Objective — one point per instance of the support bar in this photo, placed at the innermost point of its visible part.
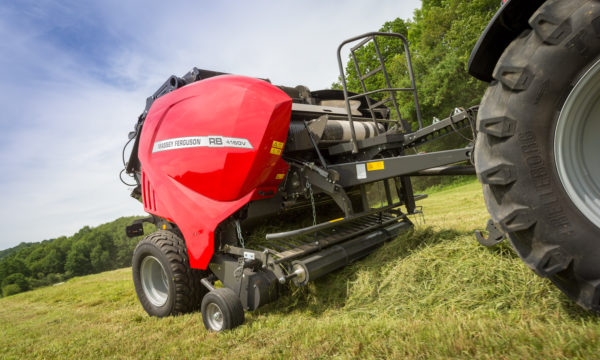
(363, 172)
(447, 170)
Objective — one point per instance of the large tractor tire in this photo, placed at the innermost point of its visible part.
(538, 149)
(164, 282)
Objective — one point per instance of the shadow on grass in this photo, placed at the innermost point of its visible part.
(503, 250)
(570, 307)
(331, 291)
(576, 312)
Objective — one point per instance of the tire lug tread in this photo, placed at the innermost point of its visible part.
(518, 220)
(514, 77)
(500, 127)
(503, 174)
(553, 260)
(549, 29)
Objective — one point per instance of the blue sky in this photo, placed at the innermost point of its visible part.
(74, 76)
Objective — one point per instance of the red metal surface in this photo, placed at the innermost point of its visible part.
(198, 187)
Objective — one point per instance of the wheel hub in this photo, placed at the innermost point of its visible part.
(215, 316)
(154, 281)
(577, 144)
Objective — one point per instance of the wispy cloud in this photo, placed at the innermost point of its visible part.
(75, 76)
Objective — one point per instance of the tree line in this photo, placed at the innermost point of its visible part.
(91, 250)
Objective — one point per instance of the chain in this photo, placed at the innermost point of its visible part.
(238, 273)
(239, 233)
(312, 202)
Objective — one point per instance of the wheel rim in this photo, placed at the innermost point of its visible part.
(154, 281)
(214, 316)
(576, 144)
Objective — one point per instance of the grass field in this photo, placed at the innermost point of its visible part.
(432, 293)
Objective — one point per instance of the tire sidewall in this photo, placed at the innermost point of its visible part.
(584, 222)
(557, 70)
(143, 250)
(536, 140)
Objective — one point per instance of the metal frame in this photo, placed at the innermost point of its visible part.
(366, 38)
(397, 166)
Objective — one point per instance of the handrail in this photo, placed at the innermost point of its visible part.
(365, 38)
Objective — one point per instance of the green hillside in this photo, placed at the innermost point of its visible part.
(89, 251)
(432, 293)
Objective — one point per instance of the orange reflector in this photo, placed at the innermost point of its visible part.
(377, 165)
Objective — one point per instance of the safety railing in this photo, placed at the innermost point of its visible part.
(391, 92)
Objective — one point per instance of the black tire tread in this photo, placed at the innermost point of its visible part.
(557, 26)
(189, 291)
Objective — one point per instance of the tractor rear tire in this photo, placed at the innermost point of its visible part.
(164, 282)
(538, 147)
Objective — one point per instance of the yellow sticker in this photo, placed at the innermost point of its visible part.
(279, 176)
(275, 151)
(277, 145)
(377, 165)
(334, 220)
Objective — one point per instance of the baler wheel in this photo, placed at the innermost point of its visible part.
(164, 282)
(222, 310)
(538, 146)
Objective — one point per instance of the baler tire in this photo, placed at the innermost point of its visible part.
(222, 310)
(515, 153)
(182, 291)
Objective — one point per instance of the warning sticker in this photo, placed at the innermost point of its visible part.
(277, 145)
(201, 141)
(276, 148)
(361, 171)
(376, 165)
(279, 176)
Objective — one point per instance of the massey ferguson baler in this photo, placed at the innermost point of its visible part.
(215, 154)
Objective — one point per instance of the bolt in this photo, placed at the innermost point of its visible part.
(218, 316)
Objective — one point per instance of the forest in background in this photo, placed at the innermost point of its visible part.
(442, 34)
(89, 251)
